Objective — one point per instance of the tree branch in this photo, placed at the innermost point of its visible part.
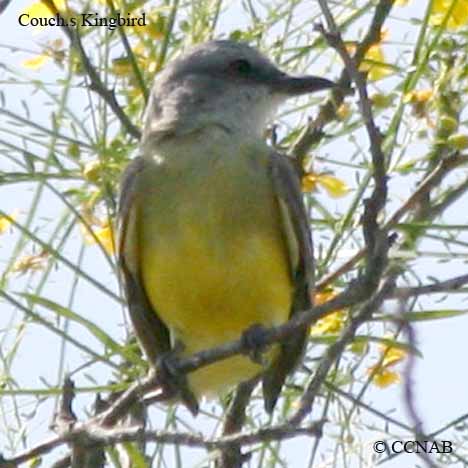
(96, 436)
(96, 84)
(432, 181)
(449, 285)
(234, 420)
(336, 349)
(313, 133)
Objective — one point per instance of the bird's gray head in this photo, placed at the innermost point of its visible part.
(221, 83)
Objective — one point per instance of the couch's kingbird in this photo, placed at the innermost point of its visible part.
(213, 233)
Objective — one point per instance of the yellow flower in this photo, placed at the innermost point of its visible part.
(154, 28)
(54, 49)
(382, 374)
(38, 10)
(106, 238)
(122, 66)
(335, 187)
(383, 378)
(344, 111)
(457, 18)
(30, 263)
(421, 95)
(374, 64)
(374, 61)
(41, 9)
(401, 2)
(419, 100)
(34, 63)
(324, 296)
(331, 323)
(309, 182)
(5, 222)
(392, 355)
(104, 235)
(92, 170)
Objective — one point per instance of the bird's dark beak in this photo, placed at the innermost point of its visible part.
(297, 85)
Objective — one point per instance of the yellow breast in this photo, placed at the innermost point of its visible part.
(214, 261)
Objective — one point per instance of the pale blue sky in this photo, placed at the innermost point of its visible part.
(441, 383)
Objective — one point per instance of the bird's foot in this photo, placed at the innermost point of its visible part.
(253, 339)
(173, 382)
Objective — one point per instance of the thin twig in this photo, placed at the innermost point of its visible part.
(96, 84)
(3, 5)
(390, 420)
(449, 285)
(336, 349)
(409, 387)
(313, 133)
(92, 436)
(169, 28)
(430, 182)
(234, 421)
(130, 55)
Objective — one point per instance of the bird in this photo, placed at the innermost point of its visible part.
(213, 234)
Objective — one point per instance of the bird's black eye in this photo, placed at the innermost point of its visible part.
(241, 66)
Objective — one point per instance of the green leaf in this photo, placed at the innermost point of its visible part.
(92, 328)
(136, 457)
(421, 315)
(330, 339)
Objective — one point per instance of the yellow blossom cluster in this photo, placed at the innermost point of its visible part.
(331, 323)
(335, 187)
(154, 29)
(103, 233)
(383, 374)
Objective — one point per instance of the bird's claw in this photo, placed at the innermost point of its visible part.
(174, 382)
(253, 340)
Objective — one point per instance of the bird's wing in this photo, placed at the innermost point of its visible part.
(149, 328)
(287, 187)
